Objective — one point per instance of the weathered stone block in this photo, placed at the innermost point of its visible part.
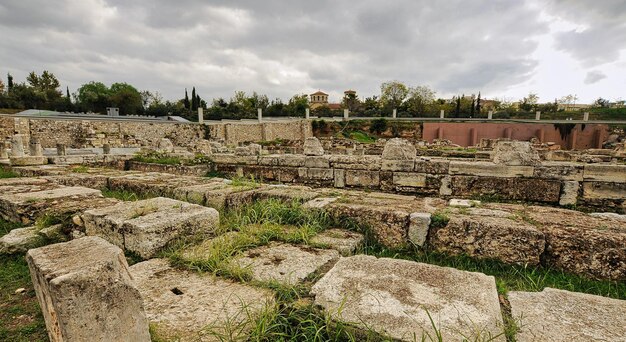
(320, 174)
(313, 147)
(182, 304)
(563, 171)
(286, 193)
(397, 165)
(514, 152)
(145, 227)
(526, 189)
(292, 160)
(398, 298)
(432, 166)
(288, 264)
(488, 169)
(409, 179)
(28, 160)
(604, 190)
(605, 173)
(340, 161)
(491, 238)
(399, 149)
(340, 178)
(419, 224)
(86, 292)
(569, 193)
(563, 316)
(344, 241)
(317, 162)
(362, 178)
(19, 240)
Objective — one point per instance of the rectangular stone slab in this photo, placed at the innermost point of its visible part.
(563, 316)
(395, 298)
(183, 304)
(86, 292)
(145, 227)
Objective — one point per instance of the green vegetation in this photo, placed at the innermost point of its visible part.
(126, 195)
(154, 157)
(20, 316)
(80, 169)
(362, 137)
(7, 173)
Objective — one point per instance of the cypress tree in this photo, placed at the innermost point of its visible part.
(478, 106)
(67, 92)
(457, 112)
(472, 109)
(186, 100)
(9, 83)
(194, 105)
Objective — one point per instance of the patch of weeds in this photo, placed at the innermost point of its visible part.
(275, 142)
(6, 226)
(362, 137)
(80, 169)
(245, 183)
(20, 315)
(126, 195)
(439, 219)
(523, 214)
(50, 219)
(8, 173)
(132, 257)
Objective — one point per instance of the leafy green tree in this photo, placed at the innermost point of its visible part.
(298, 104)
(393, 93)
(602, 103)
(93, 97)
(127, 98)
(351, 101)
(529, 103)
(420, 100)
(2, 87)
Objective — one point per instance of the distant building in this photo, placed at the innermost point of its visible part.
(320, 99)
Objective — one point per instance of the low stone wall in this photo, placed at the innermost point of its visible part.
(91, 133)
(601, 186)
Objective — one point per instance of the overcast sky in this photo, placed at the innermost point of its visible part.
(280, 48)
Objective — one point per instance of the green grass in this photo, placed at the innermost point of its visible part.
(125, 195)
(362, 137)
(80, 169)
(7, 173)
(20, 316)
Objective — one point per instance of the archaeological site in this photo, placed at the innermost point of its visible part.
(292, 230)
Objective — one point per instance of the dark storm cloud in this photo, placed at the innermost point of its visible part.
(275, 47)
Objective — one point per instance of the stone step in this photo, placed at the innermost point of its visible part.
(184, 305)
(563, 316)
(407, 301)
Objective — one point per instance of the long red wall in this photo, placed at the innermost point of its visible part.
(579, 136)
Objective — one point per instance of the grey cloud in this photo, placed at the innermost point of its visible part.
(274, 47)
(594, 76)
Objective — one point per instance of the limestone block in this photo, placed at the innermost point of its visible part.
(182, 304)
(362, 178)
(344, 241)
(419, 224)
(341, 161)
(609, 215)
(556, 170)
(563, 316)
(569, 193)
(409, 179)
(513, 152)
(17, 146)
(145, 227)
(286, 193)
(28, 160)
(340, 178)
(491, 238)
(604, 190)
(320, 174)
(26, 207)
(526, 189)
(270, 160)
(317, 162)
(432, 165)
(291, 160)
(488, 169)
(285, 263)
(86, 292)
(398, 298)
(445, 188)
(464, 203)
(165, 145)
(605, 173)
(319, 203)
(399, 149)
(313, 147)
(397, 165)
(19, 240)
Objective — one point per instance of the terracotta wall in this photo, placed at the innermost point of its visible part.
(569, 136)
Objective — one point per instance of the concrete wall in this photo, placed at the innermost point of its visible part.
(569, 136)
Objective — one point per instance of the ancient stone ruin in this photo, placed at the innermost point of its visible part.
(139, 236)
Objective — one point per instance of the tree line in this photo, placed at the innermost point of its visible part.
(42, 91)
